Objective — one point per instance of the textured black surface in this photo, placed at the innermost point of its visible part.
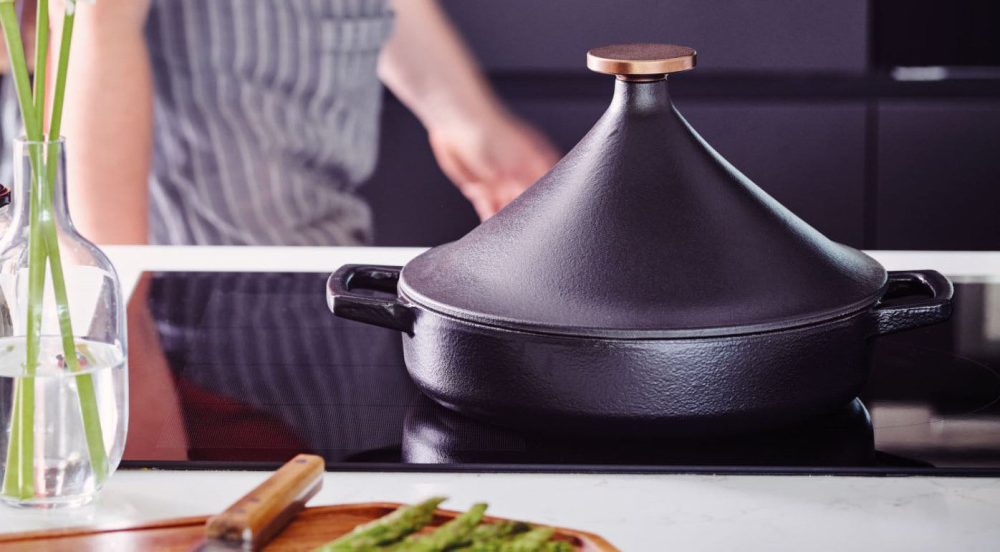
(892, 316)
(607, 387)
(643, 227)
(588, 385)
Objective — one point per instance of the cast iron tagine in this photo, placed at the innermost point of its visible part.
(642, 285)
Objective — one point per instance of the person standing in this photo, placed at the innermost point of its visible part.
(252, 122)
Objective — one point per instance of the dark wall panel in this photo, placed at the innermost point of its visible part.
(809, 156)
(938, 174)
(772, 35)
(413, 202)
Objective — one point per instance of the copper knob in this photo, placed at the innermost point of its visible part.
(641, 61)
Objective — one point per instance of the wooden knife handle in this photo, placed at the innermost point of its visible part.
(260, 515)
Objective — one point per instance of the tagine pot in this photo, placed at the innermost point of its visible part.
(643, 285)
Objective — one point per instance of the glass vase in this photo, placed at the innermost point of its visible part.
(63, 359)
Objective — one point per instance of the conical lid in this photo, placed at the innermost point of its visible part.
(643, 230)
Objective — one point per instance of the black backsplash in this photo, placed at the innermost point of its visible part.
(922, 33)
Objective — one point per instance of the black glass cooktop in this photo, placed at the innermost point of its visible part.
(244, 370)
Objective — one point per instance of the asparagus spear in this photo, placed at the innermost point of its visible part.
(558, 546)
(512, 537)
(386, 529)
(498, 530)
(488, 537)
(448, 535)
(532, 541)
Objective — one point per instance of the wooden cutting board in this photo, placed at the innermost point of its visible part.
(309, 529)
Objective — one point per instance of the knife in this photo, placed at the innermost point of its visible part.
(262, 513)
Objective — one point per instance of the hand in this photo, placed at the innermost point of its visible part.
(493, 159)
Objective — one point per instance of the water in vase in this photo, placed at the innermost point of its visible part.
(66, 467)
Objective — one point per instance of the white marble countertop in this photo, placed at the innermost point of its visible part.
(685, 512)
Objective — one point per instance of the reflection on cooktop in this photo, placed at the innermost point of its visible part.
(247, 369)
(435, 435)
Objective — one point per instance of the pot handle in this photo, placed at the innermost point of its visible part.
(919, 310)
(379, 311)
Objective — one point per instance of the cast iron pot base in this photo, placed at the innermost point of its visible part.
(586, 385)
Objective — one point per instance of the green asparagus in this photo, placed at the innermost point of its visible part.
(489, 537)
(387, 529)
(498, 530)
(448, 535)
(481, 546)
(558, 546)
(514, 537)
(532, 541)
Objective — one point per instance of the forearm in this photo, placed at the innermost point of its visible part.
(490, 154)
(108, 121)
(427, 66)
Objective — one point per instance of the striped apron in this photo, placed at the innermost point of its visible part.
(266, 120)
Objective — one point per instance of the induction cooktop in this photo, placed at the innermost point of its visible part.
(245, 370)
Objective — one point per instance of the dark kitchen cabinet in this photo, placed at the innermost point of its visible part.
(938, 184)
(768, 35)
(808, 155)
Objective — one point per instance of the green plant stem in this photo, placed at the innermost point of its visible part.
(62, 69)
(36, 287)
(41, 57)
(84, 383)
(19, 70)
(43, 244)
(22, 450)
(12, 477)
(38, 85)
(26, 477)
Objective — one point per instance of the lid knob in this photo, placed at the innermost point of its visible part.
(641, 62)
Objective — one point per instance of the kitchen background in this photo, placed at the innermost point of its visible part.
(876, 121)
